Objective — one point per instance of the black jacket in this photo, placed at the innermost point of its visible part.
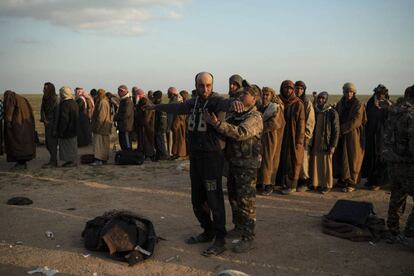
(68, 119)
(330, 133)
(125, 115)
(203, 139)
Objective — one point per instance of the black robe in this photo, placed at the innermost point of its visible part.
(373, 168)
(84, 125)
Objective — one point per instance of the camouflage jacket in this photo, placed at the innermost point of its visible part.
(243, 132)
(399, 134)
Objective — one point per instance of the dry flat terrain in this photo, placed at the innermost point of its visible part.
(289, 240)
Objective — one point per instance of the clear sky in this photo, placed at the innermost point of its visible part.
(162, 43)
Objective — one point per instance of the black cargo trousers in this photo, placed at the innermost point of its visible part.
(207, 192)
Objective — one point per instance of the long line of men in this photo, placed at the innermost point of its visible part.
(269, 140)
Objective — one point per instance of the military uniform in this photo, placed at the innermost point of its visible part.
(399, 153)
(243, 152)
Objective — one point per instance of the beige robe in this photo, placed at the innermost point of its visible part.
(309, 127)
(320, 162)
(350, 150)
(101, 128)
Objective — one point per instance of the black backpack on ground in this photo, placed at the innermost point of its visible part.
(125, 235)
(129, 157)
(87, 158)
(354, 220)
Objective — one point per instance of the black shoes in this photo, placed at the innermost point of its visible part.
(215, 249)
(268, 190)
(49, 165)
(202, 238)
(325, 190)
(69, 164)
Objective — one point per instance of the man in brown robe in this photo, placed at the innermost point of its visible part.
(178, 129)
(300, 91)
(273, 124)
(350, 151)
(19, 129)
(172, 94)
(101, 128)
(144, 121)
(293, 139)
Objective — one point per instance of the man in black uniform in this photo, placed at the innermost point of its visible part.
(206, 160)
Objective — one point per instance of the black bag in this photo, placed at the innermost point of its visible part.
(126, 236)
(353, 212)
(125, 157)
(355, 221)
(87, 158)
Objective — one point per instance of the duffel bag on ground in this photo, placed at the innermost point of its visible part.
(129, 157)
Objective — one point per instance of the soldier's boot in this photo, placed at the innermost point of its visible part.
(242, 246)
(234, 233)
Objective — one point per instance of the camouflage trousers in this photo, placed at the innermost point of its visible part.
(241, 186)
(402, 186)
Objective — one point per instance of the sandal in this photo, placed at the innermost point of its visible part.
(214, 250)
(202, 238)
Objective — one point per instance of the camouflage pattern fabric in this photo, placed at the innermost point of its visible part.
(402, 186)
(242, 197)
(399, 153)
(243, 151)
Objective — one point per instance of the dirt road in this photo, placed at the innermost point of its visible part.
(289, 240)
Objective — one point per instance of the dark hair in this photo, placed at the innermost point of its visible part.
(49, 95)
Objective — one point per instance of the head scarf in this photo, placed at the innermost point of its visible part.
(123, 91)
(65, 93)
(271, 91)
(325, 106)
(301, 84)
(349, 86)
(381, 89)
(80, 93)
(101, 94)
(292, 98)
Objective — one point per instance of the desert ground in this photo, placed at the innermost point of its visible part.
(289, 240)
